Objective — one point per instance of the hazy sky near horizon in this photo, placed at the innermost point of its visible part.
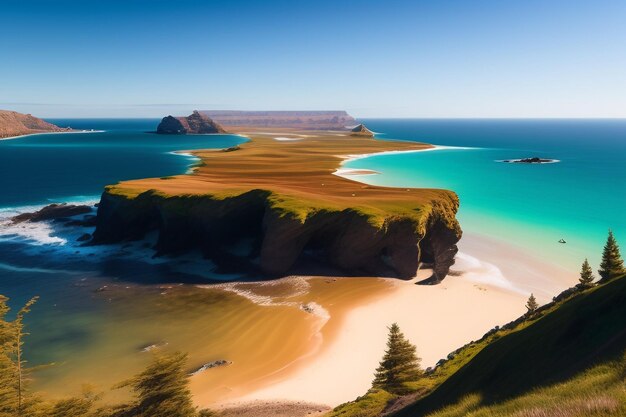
(393, 58)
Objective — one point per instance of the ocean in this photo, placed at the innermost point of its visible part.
(532, 206)
(96, 312)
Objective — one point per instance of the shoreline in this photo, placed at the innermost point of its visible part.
(51, 133)
(354, 338)
(431, 147)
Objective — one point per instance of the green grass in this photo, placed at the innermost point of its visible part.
(569, 356)
(369, 405)
(599, 391)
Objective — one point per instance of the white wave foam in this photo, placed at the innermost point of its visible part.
(284, 139)
(354, 157)
(483, 272)
(36, 233)
(298, 286)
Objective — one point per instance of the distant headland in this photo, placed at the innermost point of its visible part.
(18, 124)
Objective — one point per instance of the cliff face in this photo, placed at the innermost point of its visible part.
(346, 240)
(195, 123)
(16, 124)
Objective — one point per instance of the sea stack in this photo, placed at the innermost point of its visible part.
(196, 123)
(361, 130)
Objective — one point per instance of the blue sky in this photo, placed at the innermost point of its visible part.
(393, 58)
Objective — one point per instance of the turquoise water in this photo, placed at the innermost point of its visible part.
(577, 199)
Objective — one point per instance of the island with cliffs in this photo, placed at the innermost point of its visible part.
(283, 199)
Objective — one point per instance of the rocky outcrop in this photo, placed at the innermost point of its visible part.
(52, 212)
(361, 130)
(16, 124)
(347, 240)
(195, 123)
(533, 160)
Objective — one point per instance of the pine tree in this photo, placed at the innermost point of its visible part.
(8, 393)
(18, 325)
(400, 363)
(612, 264)
(162, 389)
(586, 275)
(531, 305)
(13, 373)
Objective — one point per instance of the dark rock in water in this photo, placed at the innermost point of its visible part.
(153, 346)
(214, 364)
(361, 130)
(88, 220)
(195, 123)
(85, 237)
(52, 212)
(533, 160)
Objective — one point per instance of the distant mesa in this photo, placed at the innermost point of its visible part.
(302, 120)
(196, 123)
(361, 130)
(17, 124)
(533, 160)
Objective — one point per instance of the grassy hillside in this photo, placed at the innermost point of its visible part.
(569, 358)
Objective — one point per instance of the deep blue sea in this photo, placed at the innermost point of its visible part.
(41, 169)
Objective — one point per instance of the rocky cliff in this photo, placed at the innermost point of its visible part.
(195, 123)
(275, 208)
(361, 130)
(348, 240)
(16, 124)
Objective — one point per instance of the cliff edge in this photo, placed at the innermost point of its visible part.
(277, 209)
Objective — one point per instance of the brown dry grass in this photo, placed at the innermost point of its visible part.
(299, 173)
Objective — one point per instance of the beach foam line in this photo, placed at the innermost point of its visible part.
(52, 133)
(478, 271)
(355, 171)
(298, 286)
(349, 158)
(286, 139)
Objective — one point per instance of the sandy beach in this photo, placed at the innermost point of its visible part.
(437, 319)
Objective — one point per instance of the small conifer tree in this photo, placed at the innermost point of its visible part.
(531, 305)
(612, 264)
(586, 275)
(400, 363)
(162, 389)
